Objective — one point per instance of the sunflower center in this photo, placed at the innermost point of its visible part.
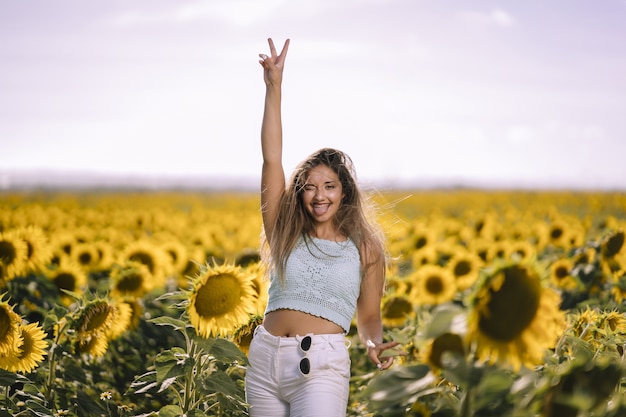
(420, 242)
(462, 268)
(7, 252)
(398, 307)
(220, 295)
(556, 233)
(85, 258)
(613, 245)
(130, 283)
(561, 272)
(447, 342)
(95, 317)
(143, 258)
(434, 285)
(513, 306)
(66, 281)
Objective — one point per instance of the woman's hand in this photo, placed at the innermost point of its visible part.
(273, 65)
(375, 353)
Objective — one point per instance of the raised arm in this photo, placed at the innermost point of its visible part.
(272, 174)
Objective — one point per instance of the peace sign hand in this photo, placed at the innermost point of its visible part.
(273, 65)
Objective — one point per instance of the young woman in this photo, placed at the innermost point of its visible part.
(326, 261)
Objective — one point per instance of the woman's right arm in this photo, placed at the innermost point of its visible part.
(272, 174)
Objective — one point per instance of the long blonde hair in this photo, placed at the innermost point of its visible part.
(351, 220)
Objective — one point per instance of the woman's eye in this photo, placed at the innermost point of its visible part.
(309, 187)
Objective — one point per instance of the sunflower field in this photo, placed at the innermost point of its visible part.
(506, 303)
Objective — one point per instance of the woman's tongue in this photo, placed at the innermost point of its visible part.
(320, 209)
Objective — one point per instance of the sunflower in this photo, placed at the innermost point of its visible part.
(432, 284)
(30, 353)
(68, 276)
(499, 251)
(465, 267)
(584, 325)
(242, 336)
(426, 255)
(177, 256)
(601, 329)
(443, 344)
(149, 254)
(196, 258)
(521, 250)
(421, 236)
(513, 318)
(561, 274)
(132, 279)
(481, 247)
(86, 255)
(618, 290)
(122, 316)
(13, 255)
(63, 243)
(39, 251)
(94, 346)
(584, 256)
(221, 299)
(614, 321)
(94, 320)
(105, 255)
(396, 310)
(612, 244)
(10, 339)
(136, 312)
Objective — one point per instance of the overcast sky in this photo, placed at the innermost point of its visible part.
(468, 92)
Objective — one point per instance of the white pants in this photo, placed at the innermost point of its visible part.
(275, 386)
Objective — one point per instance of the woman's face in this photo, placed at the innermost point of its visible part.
(322, 194)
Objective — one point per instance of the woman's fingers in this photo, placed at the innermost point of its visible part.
(272, 48)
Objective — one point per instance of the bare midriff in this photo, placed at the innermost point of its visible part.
(289, 323)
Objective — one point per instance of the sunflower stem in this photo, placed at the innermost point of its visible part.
(465, 410)
(189, 378)
(48, 389)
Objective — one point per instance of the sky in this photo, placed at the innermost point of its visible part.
(418, 92)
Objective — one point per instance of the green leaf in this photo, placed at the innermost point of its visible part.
(38, 409)
(88, 405)
(75, 372)
(445, 319)
(171, 411)
(494, 387)
(169, 321)
(219, 382)
(143, 383)
(7, 378)
(401, 385)
(172, 363)
(224, 350)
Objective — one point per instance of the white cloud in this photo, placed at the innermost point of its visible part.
(495, 17)
(241, 12)
(236, 12)
(502, 18)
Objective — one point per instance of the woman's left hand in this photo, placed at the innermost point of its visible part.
(375, 350)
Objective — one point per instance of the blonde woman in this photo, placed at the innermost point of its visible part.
(326, 261)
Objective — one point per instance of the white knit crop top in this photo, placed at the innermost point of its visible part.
(322, 278)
